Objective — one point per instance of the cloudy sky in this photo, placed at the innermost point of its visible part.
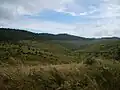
(87, 18)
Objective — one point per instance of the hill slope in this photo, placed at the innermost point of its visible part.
(15, 34)
(45, 48)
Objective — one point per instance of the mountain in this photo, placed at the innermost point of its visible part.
(60, 37)
(65, 40)
(16, 34)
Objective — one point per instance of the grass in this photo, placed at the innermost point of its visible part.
(34, 52)
(61, 77)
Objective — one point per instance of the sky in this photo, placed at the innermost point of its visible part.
(85, 18)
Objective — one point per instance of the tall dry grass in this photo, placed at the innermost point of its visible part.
(61, 77)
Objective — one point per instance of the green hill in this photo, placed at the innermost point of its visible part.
(66, 40)
(20, 46)
(16, 34)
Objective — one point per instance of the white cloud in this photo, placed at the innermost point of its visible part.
(44, 26)
(106, 8)
(86, 30)
(105, 12)
(21, 7)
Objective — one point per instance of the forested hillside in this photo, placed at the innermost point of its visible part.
(16, 34)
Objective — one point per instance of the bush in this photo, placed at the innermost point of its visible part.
(89, 60)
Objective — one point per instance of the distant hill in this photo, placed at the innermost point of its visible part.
(65, 40)
(60, 37)
(12, 34)
(16, 34)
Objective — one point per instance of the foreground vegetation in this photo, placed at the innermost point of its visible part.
(98, 76)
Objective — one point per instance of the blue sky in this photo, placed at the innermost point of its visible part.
(60, 17)
(87, 18)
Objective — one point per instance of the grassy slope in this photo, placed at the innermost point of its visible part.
(51, 51)
(100, 45)
(109, 49)
(34, 52)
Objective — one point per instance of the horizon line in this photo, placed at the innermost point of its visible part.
(28, 30)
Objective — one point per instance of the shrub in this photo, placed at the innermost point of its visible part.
(89, 60)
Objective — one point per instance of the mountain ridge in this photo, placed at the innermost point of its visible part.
(17, 34)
